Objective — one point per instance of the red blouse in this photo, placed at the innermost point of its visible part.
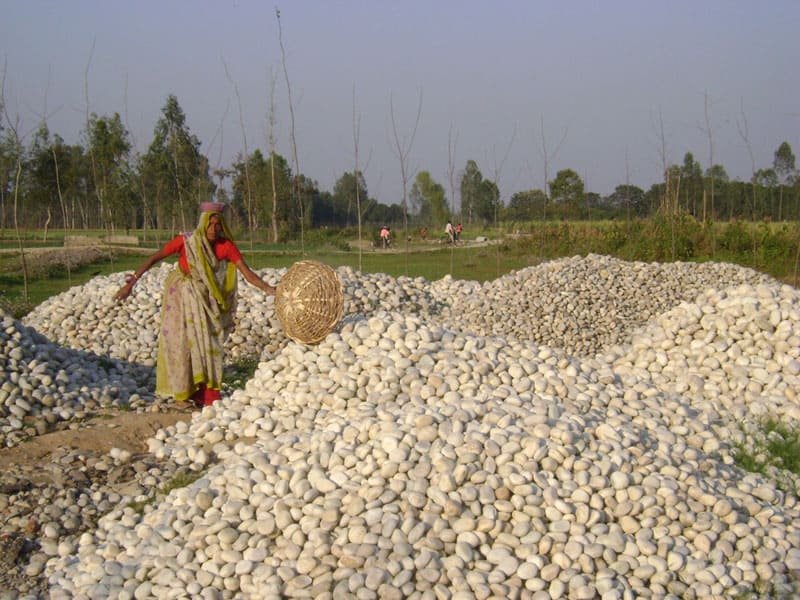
(223, 250)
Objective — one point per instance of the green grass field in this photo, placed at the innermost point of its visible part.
(50, 276)
(771, 248)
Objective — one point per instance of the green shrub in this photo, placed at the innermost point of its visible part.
(773, 450)
(180, 480)
(673, 237)
(16, 307)
(615, 237)
(777, 245)
(238, 373)
(736, 238)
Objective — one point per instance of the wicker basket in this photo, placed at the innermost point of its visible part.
(308, 301)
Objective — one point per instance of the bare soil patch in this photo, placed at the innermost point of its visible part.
(126, 431)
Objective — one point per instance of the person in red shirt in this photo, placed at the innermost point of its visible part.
(385, 239)
(198, 307)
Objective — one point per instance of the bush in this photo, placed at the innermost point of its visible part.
(673, 237)
(626, 240)
(238, 373)
(777, 246)
(16, 307)
(736, 238)
(771, 448)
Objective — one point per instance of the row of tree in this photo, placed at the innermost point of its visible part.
(772, 193)
(105, 184)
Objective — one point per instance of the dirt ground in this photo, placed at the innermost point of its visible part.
(123, 430)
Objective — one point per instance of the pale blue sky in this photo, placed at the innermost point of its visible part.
(597, 74)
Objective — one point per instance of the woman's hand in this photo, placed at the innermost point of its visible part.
(253, 279)
(126, 289)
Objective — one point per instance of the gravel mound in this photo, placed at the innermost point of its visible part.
(567, 430)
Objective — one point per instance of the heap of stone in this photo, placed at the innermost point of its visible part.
(408, 456)
(44, 384)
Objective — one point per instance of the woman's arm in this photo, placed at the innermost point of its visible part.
(253, 279)
(131, 280)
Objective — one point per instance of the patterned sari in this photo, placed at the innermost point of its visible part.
(196, 318)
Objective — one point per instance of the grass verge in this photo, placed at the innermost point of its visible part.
(238, 373)
(179, 480)
(772, 449)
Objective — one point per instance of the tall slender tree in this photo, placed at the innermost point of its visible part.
(109, 149)
(428, 200)
(299, 186)
(784, 166)
(402, 149)
(271, 121)
(470, 189)
(177, 174)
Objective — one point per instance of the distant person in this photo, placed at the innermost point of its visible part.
(199, 303)
(458, 232)
(386, 236)
(448, 229)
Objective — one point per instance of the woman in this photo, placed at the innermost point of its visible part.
(199, 304)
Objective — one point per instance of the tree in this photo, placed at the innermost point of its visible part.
(470, 189)
(592, 200)
(691, 183)
(526, 206)
(345, 191)
(567, 190)
(628, 197)
(108, 148)
(255, 177)
(384, 214)
(176, 172)
(488, 201)
(300, 187)
(9, 154)
(402, 148)
(716, 183)
(768, 180)
(718, 172)
(428, 200)
(784, 166)
(300, 214)
(712, 180)
(784, 163)
(39, 178)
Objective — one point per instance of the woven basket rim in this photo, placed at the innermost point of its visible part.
(309, 301)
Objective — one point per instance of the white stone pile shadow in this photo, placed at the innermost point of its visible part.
(440, 443)
(43, 384)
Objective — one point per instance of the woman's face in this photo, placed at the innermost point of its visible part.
(214, 229)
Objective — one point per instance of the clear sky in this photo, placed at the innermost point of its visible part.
(595, 83)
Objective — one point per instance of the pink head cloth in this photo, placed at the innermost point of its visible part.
(212, 207)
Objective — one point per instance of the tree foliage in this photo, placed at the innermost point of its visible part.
(428, 201)
(344, 197)
(526, 206)
(567, 189)
(470, 189)
(784, 164)
(108, 148)
(175, 170)
(480, 198)
(629, 199)
(255, 178)
(102, 183)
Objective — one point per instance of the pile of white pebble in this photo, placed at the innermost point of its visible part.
(567, 430)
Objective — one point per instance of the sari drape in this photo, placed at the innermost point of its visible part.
(196, 318)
